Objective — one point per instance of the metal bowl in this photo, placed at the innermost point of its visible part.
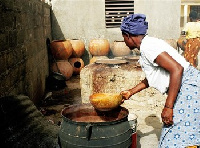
(105, 101)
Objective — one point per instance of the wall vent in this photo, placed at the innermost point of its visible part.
(116, 10)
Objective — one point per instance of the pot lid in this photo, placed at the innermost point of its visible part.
(111, 61)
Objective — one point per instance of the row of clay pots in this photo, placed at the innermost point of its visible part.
(64, 49)
(68, 53)
(68, 67)
(101, 47)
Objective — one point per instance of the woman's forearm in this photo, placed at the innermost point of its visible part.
(176, 71)
(142, 85)
(174, 87)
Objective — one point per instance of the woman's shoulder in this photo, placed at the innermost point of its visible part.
(153, 40)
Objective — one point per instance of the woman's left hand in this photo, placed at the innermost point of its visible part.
(167, 116)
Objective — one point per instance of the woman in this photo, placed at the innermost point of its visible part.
(167, 71)
(192, 32)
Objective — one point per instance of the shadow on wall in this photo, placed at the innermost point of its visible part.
(57, 33)
(153, 121)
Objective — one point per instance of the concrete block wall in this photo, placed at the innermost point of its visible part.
(24, 28)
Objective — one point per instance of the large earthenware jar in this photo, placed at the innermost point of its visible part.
(61, 49)
(65, 68)
(99, 47)
(78, 47)
(119, 49)
(77, 64)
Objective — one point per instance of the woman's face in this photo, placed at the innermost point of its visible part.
(130, 41)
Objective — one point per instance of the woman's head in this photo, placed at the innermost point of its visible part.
(132, 27)
(134, 24)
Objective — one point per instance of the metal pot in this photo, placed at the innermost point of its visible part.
(85, 127)
(56, 81)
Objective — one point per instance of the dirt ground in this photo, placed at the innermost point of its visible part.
(55, 101)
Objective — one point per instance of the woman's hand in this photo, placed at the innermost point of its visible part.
(167, 116)
(125, 95)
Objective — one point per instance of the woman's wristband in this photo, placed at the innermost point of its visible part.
(168, 107)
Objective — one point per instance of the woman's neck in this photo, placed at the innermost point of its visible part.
(140, 38)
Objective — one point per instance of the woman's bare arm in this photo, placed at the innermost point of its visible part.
(176, 71)
(128, 93)
(142, 85)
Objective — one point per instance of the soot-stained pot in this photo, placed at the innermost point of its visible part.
(85, 127)
(55, 81)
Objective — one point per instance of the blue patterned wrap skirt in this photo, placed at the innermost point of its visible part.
(186, 114)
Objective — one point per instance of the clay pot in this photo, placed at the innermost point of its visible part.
(99, 47)
(65, 68)
(77, 64)
(120, 49)
(78, 48)
(94, 58)
(61, 49)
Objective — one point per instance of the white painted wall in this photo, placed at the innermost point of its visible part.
(163, 17)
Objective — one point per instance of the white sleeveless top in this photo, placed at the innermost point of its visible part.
(150, 48)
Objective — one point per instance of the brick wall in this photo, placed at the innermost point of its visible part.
(24, 28)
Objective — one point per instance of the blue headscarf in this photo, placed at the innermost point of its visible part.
(134, 24)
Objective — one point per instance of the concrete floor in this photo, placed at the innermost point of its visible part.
(147, 107)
